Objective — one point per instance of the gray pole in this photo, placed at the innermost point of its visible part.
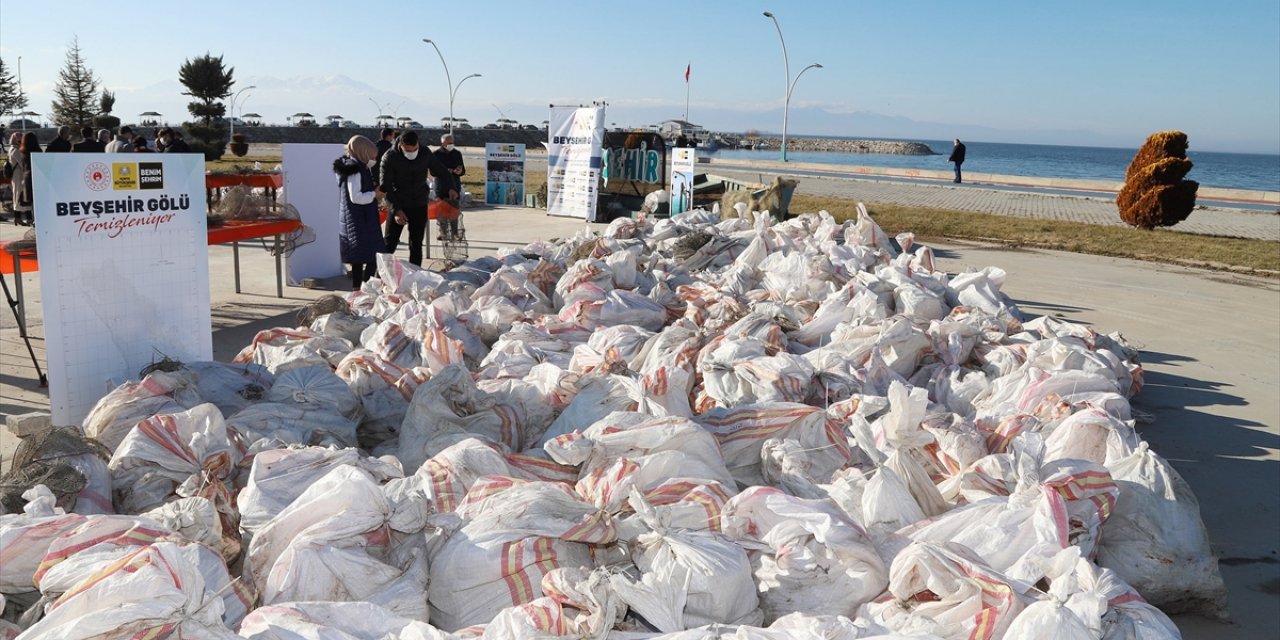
(786, 83)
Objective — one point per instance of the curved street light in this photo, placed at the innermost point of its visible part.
(232, 119)
(453, 90)
(788, 83)
(453, 94)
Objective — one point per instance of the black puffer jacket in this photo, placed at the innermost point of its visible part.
(405, 180)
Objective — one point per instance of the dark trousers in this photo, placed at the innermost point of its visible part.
(957, 172)
(417, 232)
(362, 272)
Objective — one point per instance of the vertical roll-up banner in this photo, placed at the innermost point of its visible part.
(574, 150)
(682, 161)
(122, 240)
(504, 173)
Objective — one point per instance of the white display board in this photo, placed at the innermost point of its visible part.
(124, 269)
(504, 174)
(310, 186)
(682, 162)
(574, 150)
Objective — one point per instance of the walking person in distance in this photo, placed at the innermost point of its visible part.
(957, 156)
(451, 158)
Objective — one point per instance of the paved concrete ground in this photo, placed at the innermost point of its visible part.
(1211, 348)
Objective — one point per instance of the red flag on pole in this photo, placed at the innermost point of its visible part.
(687, 69)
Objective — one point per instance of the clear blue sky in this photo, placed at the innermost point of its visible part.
(1107, 72)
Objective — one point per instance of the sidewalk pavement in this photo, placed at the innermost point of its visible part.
(1031, 203)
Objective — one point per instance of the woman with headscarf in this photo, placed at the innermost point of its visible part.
(359, 234)
(20, 158)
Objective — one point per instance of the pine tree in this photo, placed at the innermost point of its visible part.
(106, 102)
(11, 97)
(207, 80)
(76, 93)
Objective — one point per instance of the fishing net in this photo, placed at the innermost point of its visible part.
(321, 307)
(243, 204)
(39, 459)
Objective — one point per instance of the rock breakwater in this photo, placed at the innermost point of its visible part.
(840, 145)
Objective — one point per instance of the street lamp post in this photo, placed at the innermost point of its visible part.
(453, 91)
(453, 94)
(232, 119)
(788, 84)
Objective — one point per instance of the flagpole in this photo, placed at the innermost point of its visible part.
(686, 90)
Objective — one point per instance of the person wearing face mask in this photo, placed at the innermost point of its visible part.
(451, 158)
(173, 142)
(403, 176)
(359, 236)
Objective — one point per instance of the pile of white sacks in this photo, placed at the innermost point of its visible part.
(801, 430)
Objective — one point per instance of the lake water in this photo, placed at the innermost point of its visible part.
(1257, 172)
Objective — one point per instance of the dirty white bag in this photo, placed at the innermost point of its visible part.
(808, 557)
(157, 589)
(450, 405)
(687, 578)
(315, 387)
(334, 621)
(1156, 541)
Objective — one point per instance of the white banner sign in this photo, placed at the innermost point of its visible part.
(573, 161)
(124, 269)
(310, 185)
(682, 161)
(504, 173)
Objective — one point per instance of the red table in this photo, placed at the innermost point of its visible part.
(269, 181)
(25, 260)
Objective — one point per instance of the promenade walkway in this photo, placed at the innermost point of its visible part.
(1028, 203)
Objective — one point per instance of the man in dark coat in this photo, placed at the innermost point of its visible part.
(451, 158)
(403, 176)
(957, 156)
(173, 142)
(62, 143)
(88, 142)
(385, 143)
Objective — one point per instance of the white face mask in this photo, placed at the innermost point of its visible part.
(372, 163)
(448, 147)
(409, 155)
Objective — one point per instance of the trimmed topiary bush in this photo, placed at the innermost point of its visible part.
(1155, 193)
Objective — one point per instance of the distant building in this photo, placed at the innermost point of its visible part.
(672, 129)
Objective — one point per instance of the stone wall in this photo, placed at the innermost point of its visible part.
(277, 135)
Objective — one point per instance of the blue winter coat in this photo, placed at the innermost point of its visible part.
(360, 233)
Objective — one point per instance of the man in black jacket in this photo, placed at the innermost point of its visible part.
(386, 142)
(88, 142)
(62, 143)
(403, 176)
(451, 158)
(957, 156)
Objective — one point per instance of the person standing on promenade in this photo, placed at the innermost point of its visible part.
(451, 158)
(62, 143)
(385, 144)
(123, 142)
(403, 176)
(957, 156)
(359, 238)
(88, 143)
(23, 211)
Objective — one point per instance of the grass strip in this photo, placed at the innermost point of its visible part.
(1162, 245)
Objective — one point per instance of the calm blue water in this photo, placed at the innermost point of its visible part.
(1212, 169)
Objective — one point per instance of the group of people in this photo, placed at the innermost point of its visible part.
(394, 170)
(22, 144)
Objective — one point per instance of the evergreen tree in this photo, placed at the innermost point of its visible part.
(106, 102)
(75, 94)
(104, 119)
(209, 81)
(11, 97)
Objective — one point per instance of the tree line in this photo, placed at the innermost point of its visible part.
(80, 99)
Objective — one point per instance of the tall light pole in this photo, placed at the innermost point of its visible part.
(453, 94)
(453, 91)
(232, 119)
(788, 83)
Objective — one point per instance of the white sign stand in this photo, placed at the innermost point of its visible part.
(124, 260)
(310, 186)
